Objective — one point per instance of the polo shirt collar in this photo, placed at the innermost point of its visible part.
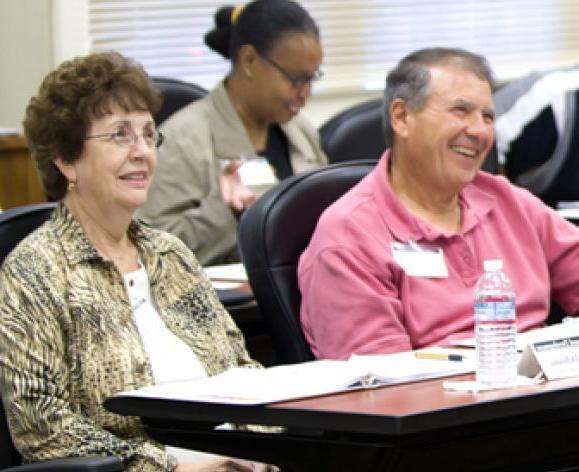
(475, 204)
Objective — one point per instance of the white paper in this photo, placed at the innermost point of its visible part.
(257, 174)
(569, 213)
(257, 386)
(226, 272)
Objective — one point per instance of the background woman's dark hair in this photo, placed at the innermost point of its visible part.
(70, 97)
(261, 23)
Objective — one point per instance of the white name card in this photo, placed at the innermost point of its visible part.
(555, 358)
(418, 260)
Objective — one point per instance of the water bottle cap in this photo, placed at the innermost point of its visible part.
(491, 265)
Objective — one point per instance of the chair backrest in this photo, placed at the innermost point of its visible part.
(15, 225)
(273, 233)
(9, 456)
(355, 133)
(176, 94)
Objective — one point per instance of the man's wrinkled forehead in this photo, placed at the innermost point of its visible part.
(453, 83)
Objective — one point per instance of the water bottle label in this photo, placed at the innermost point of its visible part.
(494, 310)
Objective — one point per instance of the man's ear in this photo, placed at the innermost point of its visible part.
(399, 117)
(247, 58)
(66, 169)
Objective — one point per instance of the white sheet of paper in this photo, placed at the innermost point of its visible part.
(284, 382)
(256, 172)
(420, 261)
(226, 272)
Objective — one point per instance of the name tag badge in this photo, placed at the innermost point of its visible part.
(419, 260)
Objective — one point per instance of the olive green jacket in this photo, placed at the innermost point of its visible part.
(185, 198)
(68, 340)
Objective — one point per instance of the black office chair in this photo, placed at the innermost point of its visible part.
(355, 133)
(15, 224)
(273, 233)
(176, 94)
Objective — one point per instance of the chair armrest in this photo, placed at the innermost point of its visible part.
(72, 464)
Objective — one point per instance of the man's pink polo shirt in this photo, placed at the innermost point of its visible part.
(357, 299)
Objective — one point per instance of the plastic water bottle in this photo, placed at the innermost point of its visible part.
(495, 328)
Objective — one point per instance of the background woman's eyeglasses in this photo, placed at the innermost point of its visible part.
(297, 81)
(126, 137)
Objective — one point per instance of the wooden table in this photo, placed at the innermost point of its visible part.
(411, 427)
(19, 182)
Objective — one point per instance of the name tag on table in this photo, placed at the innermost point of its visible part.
(556, 358)
(419, 260)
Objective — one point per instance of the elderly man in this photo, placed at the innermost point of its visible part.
(393, 263)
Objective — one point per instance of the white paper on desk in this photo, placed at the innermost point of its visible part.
(257, 386)
(569, 213)
(308, 379)
(226, 272)
(405, 367)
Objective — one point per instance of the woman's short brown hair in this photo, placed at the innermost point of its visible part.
(70, 98)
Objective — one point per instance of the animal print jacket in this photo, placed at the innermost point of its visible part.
(68, 340)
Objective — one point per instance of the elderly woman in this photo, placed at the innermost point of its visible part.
(93, 302)
(275, 50)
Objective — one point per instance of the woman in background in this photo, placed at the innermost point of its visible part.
(275, 50)
(93, 302)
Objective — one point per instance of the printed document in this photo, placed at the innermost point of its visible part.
(252, 386)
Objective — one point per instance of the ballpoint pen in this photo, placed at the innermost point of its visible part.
(439, 356)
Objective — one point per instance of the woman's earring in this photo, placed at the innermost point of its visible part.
(71, 185)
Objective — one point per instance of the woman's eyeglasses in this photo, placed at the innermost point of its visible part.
(126, 137)
(297, 81)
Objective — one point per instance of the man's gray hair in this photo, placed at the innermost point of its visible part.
(410, 79)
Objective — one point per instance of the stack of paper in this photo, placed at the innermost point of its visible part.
(257, 386)
(226, 276)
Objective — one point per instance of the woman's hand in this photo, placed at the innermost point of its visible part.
(226, 464)
(233, 191)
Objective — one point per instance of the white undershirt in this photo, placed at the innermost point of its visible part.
(171, 359)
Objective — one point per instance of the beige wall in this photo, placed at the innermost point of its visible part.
(25, 54)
